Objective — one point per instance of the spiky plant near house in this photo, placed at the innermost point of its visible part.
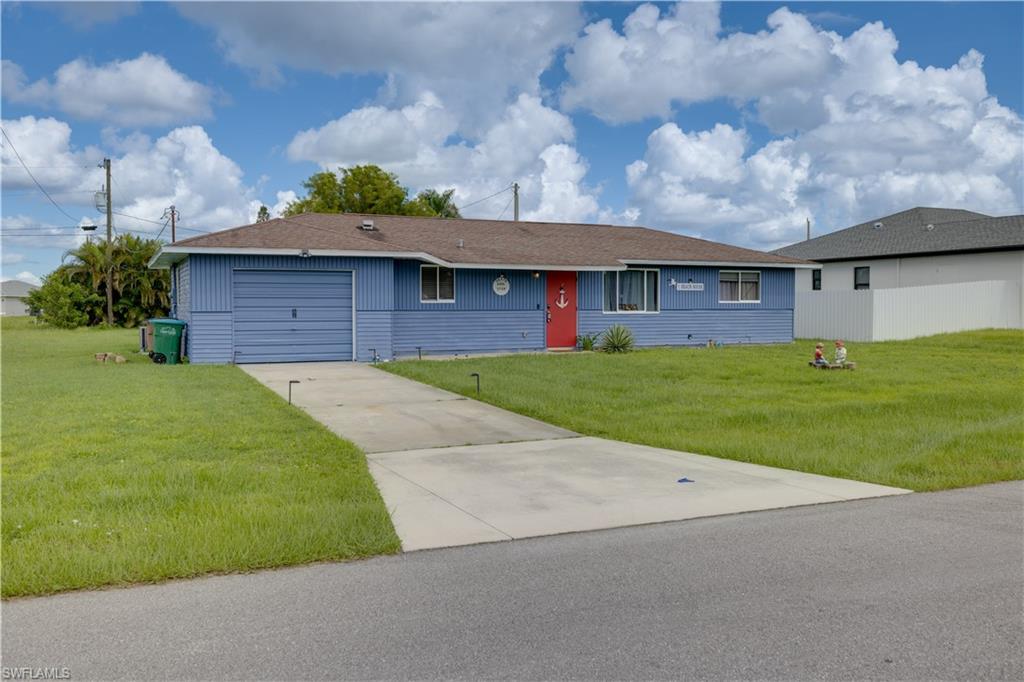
(617, 339)
(587, 341)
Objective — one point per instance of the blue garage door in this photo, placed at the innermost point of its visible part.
(292, 316)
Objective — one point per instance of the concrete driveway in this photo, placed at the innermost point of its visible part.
(455, 471)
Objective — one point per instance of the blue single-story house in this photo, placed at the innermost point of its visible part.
(356, 287)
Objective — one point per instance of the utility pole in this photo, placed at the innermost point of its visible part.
(110, 244)
(808, 229)
(174, 215)
(515, 201)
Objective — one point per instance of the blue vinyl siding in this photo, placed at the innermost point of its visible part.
(182, 304)
(391, 319)
(693, 317)
(183, 291)
(777, 289)
(696, 327)
(211, 277)
(373, 334)
(472, 290)
(467, 331)
(212, 285)
(209, 338)
(479, 320)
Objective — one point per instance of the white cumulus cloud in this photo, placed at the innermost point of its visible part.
(474, 56)
(528, 144)
(182, 168)
(871, 136)
(680, 57)
(145, 91)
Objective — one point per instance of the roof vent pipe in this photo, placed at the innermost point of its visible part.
(879, 226)
(929, 227)
(461, 243)
(367, 225)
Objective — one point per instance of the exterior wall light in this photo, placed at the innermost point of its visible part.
(304, 253)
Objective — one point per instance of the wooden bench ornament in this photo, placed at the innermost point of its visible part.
(847, 365)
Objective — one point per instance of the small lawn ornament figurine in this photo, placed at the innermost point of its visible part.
(819, 355)
(840, 352)
(821, 362)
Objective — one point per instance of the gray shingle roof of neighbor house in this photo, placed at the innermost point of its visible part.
(469, 243)
(916, 231)
(16, 288)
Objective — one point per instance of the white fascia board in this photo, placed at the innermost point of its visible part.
(720, 264)
(170, 254)
(535, 266)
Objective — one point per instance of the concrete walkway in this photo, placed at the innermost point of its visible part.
(455, 471)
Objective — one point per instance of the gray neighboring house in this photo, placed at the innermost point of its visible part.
(917, 247)
(13, 293)
(915, 273)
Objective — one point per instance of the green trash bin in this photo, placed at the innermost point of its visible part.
(167, 334)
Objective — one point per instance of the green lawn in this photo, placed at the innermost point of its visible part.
(928, 414)
(139, 472)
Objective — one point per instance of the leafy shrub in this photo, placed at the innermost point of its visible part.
(138, 291)
(617, 339)
(63, 303)
(587, 341)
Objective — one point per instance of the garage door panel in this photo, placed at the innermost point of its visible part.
(246, 294)
(287, 338)
(302, 315)
(337, 307)
(338, 326)
(292, 316)
(283, 346)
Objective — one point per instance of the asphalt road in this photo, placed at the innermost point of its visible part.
(909, 587)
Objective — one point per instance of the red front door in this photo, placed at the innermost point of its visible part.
(561, 306)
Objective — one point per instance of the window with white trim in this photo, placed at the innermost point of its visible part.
(631, 291)
(739, 286)
(437, 284)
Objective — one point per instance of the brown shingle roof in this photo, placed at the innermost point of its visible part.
(483, 242)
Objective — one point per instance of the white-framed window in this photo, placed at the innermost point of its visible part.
(632, 291)
(739, 286)
(437, 284)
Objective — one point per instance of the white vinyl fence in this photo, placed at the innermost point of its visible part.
(908, 312)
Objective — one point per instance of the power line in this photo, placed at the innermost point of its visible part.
(500, 215)
(162, 229)
(474, 203)
(11, 165)
(135, 217)
(32, 191)
(22, 161)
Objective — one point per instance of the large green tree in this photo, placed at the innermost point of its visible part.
(368, 189)
(75, 293)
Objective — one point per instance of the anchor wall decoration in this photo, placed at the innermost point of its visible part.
(562, 301)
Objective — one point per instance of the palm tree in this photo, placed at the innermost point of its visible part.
(441, 204)
(139, 292)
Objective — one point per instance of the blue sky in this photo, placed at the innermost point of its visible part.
(733, 122)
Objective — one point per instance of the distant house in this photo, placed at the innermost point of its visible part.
(955, 270)
(914, 248)
(358, 287)
(14, 294)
